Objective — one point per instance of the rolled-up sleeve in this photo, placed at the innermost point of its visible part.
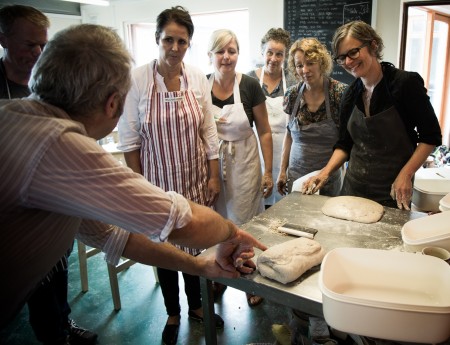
(90, 184)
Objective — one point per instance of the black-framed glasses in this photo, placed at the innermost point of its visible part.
(352, 54)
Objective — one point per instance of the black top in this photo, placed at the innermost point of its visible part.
(251, 96)
(406, 91)
(15, 90)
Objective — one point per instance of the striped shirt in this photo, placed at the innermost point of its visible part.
(57, 183)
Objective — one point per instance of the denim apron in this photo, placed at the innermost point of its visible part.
(312, 146)
(381, 148)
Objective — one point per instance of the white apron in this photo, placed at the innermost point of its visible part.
(277, 122)
(240, 197)
(172, 153)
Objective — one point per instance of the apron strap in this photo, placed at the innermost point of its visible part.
(327, 98)
(236, 93)
(283, 77)
(183, 75)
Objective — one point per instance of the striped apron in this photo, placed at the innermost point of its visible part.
(172, 153)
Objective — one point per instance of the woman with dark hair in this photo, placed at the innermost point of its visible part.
(274, 81)
(388, 125)
(168, 134)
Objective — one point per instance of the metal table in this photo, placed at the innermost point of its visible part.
(304, 294)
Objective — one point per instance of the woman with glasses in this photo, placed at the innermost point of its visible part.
(168, 134)
(274, 81)
(388, 125)
(313, 120)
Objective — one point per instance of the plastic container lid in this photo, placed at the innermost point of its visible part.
(433, 180)
(439, 187)
(427, 229)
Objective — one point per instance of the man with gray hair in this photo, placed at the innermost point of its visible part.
(57, 183)
(23, 35)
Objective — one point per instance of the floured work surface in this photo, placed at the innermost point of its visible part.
(305, 210)
(332, 233)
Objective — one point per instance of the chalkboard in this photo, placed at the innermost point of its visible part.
(321, 18)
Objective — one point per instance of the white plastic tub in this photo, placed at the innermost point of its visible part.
(386, 294)
(444, 203)
(430, 185)
(429, 231)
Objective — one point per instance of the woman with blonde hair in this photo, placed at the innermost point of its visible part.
(313, 120)
(238, 105)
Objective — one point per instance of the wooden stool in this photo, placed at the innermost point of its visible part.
(113, 271)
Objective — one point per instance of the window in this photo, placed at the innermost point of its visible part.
(141, 39)
(427, 53)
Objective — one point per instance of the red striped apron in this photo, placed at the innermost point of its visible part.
(172, 153)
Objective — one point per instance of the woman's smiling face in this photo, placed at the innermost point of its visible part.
(360, 66)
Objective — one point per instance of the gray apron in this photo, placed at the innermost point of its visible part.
(312, 146)
(381, 148)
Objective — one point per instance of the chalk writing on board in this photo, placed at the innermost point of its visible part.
(321, 18)
(356, 12)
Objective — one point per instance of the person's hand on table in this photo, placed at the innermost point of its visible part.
(401, 191)
(235, 253)
(267, 185)
(314, 183)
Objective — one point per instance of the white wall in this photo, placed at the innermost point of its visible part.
(386, 20)
(263, 14)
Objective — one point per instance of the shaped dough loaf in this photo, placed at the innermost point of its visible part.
(353, 208)
(287, 261)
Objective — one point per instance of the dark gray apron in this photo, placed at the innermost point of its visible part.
(312, 146)
(381, 149)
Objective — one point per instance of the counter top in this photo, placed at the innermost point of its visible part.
(305, 210)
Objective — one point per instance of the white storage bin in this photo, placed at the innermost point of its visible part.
(430, 185)
(386, 294)
(444, 203)
(429, 231)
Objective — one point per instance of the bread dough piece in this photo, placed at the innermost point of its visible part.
(353, 208)
(287, 261)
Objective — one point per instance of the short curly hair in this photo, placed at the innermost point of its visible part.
(314, 51)
(277, 35)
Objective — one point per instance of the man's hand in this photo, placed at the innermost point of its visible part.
(236, 252)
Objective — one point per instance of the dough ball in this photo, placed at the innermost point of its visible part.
(353, 208)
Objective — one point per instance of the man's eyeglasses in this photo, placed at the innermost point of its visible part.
(352, 54)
